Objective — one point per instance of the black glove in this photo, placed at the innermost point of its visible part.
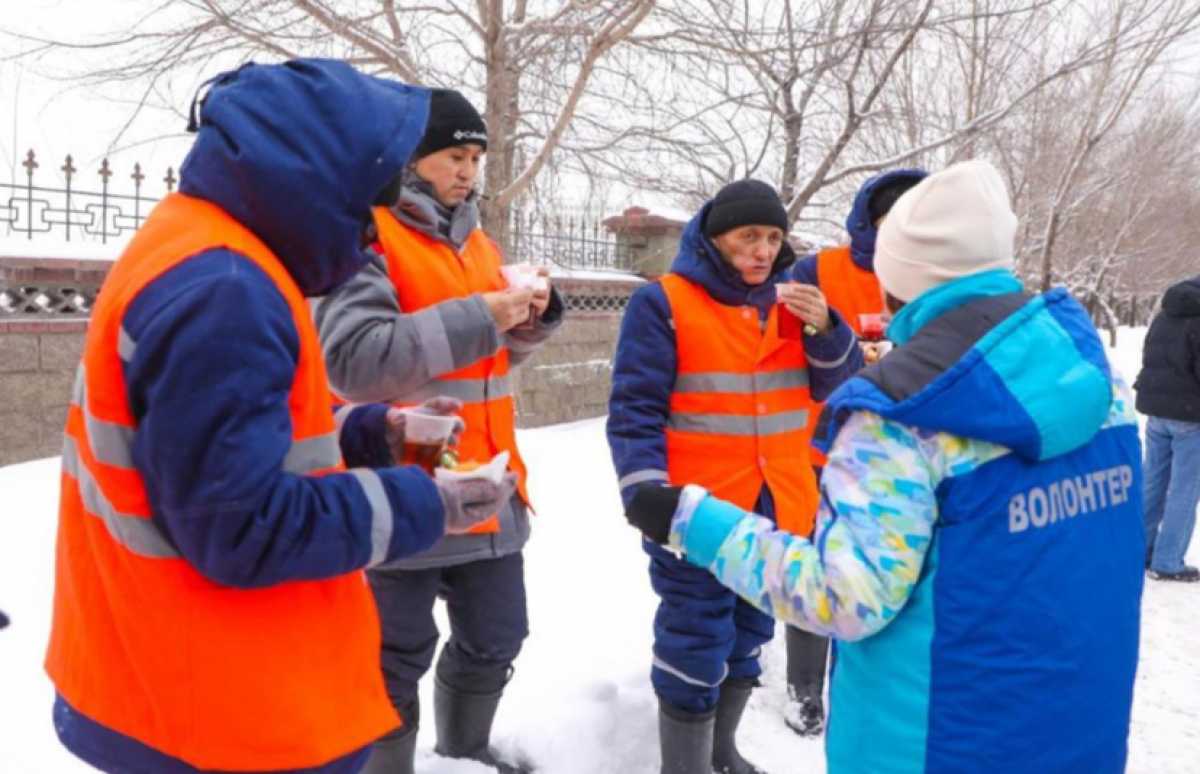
(652, 509)
(3, 620)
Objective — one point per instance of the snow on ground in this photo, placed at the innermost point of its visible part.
(580, 702)
(55, 246)
(606, 275)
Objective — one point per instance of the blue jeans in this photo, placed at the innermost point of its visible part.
(1172, 471)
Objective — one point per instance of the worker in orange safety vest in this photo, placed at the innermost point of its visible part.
(210, 612)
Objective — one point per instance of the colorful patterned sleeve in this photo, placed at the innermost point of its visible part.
(877, 514)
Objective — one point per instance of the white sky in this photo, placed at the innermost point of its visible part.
(42, 109)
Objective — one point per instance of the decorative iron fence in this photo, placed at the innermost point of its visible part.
(79, 213)
(575, 241)
(94, 207)
(91, 206)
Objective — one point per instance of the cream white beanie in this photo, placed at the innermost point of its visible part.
(953, 223)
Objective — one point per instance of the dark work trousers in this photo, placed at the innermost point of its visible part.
(806, 657)
(703, 633)
(485, 601)
(806, 653)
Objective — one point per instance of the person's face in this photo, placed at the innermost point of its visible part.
(751, 250)
(451, 171)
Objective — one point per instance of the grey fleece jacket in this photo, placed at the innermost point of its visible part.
(375, 352)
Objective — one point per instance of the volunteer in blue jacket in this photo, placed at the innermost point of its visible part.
(706, 390)
(978, 554)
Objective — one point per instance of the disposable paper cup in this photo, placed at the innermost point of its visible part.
(873, 326)
(523, 275)
(788, 325)
(427, 428)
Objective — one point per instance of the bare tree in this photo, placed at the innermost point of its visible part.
(1106, 93)
(809, 94)
(1125, 230)
(815, 95)
(531, 60)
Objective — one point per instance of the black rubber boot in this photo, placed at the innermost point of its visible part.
(394, 753)
(730, 705)
(806, 655)
(464, 726)
(686, 740)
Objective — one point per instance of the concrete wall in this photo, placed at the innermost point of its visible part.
(567, 380)
(37, 367)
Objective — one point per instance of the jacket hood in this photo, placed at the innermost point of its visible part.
(1027, 373)
(699, 260)
(1183, 299)
(298, 153)
(858, 223)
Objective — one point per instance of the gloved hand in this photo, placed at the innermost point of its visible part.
(439, 406)
(3, 620)
(468, 501)
(652, 509)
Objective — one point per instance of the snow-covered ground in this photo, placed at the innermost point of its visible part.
(580, 702)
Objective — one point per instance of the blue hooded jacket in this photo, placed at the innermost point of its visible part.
(297, 153)
(645, 362)
(858, 224)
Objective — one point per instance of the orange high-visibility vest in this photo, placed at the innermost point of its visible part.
(739, 407)
(848, 288)
(852, 291)
(282, 677)
(425, 272)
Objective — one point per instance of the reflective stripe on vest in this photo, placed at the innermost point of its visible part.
(281, 677)
(744, 384)
(738, 424)
(136, 533)
(466, 390)
(739, 407)
(426, 272)
(112, 444)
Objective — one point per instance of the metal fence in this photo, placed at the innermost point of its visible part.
(96, 206)
(88, 207)
(101, 204)
(576, 241)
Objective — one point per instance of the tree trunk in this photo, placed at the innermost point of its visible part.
(792, 124)
(500, 113)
